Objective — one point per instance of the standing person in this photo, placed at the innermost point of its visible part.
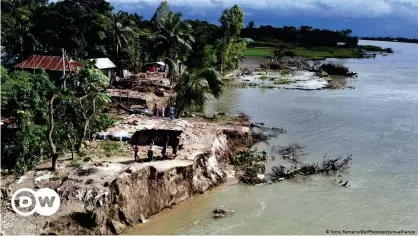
(164, 150)
(162, 111)
(136, 150)
(172, 111)
(167, 111)
(150, 153)
(155, 110)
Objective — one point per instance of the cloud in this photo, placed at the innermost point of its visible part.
(364, 17)
(324, 8)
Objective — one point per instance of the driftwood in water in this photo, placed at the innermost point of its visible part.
(220, 212)
(328, 166)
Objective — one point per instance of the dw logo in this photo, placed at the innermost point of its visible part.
(45, 201)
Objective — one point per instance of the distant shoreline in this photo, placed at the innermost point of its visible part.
(395, 40)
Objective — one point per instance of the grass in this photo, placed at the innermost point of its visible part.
(318, 53)
(321, 53)
(258, 52)
(76, 163)
(110, 147)
(283, 81)
(264, 77)
(284, 72)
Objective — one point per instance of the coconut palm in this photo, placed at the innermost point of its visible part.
(173, 35)
(120, 29)
(194, 85)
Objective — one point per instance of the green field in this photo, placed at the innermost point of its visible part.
(258, 52)
(319, 53)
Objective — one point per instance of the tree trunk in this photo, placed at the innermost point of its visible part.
(86, 126)
(54, 153)
(85, 129)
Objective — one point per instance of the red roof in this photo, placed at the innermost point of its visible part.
(48, 63)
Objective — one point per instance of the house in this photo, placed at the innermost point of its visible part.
(105, 65)
(49, 64)
(249, 40)
(158, 66)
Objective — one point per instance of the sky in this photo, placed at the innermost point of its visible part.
(397, 18)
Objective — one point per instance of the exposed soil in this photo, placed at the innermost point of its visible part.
(105, 195)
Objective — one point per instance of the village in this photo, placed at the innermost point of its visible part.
(147, 137)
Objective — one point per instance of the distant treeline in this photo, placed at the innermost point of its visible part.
(398, 39)
(304, 36)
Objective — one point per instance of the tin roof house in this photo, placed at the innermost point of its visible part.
(48, 63)
(105, 65)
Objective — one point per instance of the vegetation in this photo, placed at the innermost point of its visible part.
(373, 48)
(193, 86)
(258, 52)
(304, 36)
(110, 148)
(335, 69)
(397, 39)
(319, 53)
(283, 81)
(45, 118)
(49, 116)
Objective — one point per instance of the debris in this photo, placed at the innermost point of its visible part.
(220, 212)
(44, 176)
(143, 220)
(328, 166)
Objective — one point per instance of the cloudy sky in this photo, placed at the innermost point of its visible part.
(364, 17)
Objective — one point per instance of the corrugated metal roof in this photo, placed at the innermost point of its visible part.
(48, 63)
(103, 63)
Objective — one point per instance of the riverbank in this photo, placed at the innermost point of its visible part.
(107, 194)
(292, 73)
(318, 53)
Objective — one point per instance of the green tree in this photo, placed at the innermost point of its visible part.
(173, 34)
(89, 97)
(250, 25)
(193, 87)
(23, 99)
(232, 22)
(121, 33)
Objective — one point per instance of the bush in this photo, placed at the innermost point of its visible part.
(76, 163)
(373, 48)
(284, 72)
(334, 69)
(248, 157)
(283, 81)
(110, 147)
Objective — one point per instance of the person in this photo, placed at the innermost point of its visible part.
(150, 153)
(136, 150)
(162, 111)
(164, 150)
(155, 109)
(167, 111)
(172, 113)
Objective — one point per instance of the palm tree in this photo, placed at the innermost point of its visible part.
(193, 87)
(121, 31)
(173, 35)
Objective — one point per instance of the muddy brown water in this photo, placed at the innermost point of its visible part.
(377, 122)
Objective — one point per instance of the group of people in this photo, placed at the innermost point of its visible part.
(150, 153)
(168, 111)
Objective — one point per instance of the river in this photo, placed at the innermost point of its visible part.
(377, 122)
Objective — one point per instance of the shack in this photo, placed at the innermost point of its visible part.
(158, 66)
(53, 65)
(161, 137)
(105, 65)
